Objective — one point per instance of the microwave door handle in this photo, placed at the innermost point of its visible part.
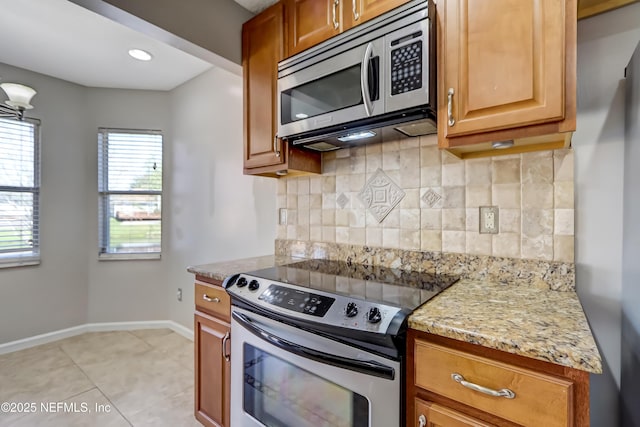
(364, 79)
(368, 367)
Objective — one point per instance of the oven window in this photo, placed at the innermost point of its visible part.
(279, 394)
(324, 95)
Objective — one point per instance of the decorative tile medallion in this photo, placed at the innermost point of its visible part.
(431, 197)
(380, 195)
(342, 200)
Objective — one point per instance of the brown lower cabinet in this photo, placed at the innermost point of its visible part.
(212, 367)
(434, 415)
(452, 383)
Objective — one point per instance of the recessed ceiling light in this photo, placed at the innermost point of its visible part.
(141, 55)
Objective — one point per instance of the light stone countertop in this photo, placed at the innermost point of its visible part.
(541, 324)
(220, 270)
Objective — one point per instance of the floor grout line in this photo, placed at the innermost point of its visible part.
(170, 350)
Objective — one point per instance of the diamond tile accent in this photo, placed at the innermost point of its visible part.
(342, 200)
(431, 197)
(380, 195)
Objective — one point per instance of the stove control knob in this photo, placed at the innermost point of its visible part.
(374, 315)
(242, 282)
(253, 285)
(351, 309)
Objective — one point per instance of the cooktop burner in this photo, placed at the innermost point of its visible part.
(401, 288)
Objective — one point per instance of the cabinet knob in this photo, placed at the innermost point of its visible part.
(336, 24)
(422, 421)
(356, 15)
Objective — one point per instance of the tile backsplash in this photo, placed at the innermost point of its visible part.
(407, 194)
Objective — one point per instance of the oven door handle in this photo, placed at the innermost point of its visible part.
(368, 367)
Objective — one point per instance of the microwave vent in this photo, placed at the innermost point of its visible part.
(422, 127)
(322, 146)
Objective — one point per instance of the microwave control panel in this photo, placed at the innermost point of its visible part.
(406, 68)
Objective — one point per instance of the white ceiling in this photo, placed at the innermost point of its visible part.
(255, 6)
(61, 39)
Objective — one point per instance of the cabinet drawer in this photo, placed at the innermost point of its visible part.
(213, 299)
(540, 400)
(433, 415)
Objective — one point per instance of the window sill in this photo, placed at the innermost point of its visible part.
(11, 262)
(129, 257)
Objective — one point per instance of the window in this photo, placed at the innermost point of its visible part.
(19, 192)
(130, 187)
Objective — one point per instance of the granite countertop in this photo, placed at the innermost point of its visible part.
(220, 270)
(538, 323)
(541, 324)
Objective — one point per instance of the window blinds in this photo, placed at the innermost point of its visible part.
(130, 188)
(19, 190)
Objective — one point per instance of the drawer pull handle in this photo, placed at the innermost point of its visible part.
(505, 392)
(422, 420)
(208, 298)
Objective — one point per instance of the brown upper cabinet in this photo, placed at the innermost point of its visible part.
(311, 22)
(263, 45)
(587, 8)
(506, 72)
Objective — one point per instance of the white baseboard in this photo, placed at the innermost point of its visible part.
(93, 327)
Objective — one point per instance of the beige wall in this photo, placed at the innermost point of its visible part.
(215, 25)
(217, 213)
(534, 194)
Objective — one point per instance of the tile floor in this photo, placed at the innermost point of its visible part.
(144, 378)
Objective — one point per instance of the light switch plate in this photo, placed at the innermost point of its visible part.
(489, 220)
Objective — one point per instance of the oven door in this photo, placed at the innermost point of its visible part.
(282, 376)
(339, 89)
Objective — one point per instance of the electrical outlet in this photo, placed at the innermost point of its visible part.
(282, 216)
(179, 294)
(489, 220)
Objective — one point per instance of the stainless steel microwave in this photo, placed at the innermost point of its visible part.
(364, 85)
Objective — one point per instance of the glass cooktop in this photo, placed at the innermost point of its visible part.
(401, 288)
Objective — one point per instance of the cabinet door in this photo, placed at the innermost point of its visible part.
(356, 12)
(504, 64)
(429, 414)
(212, 371)
(262, 48)
(311, 22)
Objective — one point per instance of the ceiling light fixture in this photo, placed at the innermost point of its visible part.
(140, 55)
(19, 98)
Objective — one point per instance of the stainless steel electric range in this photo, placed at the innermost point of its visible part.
(321, 343)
